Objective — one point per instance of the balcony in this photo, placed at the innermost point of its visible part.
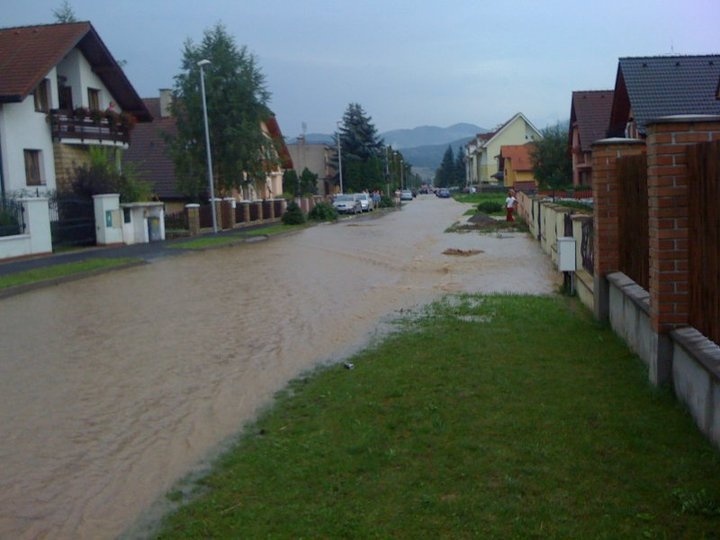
(83, 126)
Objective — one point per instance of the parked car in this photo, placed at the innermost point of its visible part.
(406, 195)
(347, 204)
(366, 202)
(443, 193)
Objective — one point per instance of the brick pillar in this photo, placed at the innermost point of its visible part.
(271, 209)
(246, 211)
(193, 218)
(606, 197)
(228, 213)
(259, 206)
(668, 214)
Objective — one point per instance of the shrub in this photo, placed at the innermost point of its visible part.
(323, 211)
(490, 207)
(386, 202)
(293, 214)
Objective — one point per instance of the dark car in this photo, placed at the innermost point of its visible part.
(443, 193)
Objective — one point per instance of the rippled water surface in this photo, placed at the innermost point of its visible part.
(115, 386)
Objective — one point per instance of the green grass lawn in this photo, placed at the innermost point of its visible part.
(483, 417)
(63, 270)
(211, 241)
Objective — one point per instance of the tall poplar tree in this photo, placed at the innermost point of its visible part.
(237, 101)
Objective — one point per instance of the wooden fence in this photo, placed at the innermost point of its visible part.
(704, 238)
(633, 232)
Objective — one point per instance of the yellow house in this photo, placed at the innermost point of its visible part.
(483, 152)
(516, 166)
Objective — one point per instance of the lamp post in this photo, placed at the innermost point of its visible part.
(340, 158)
(201, 64)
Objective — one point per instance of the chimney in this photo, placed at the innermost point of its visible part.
(165, 101)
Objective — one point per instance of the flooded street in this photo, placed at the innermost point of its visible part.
(114, 387)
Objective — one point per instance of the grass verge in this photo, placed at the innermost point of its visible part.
(491, 417)
(211, 241)
(59, 271)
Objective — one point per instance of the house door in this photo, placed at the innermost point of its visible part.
(65, 97)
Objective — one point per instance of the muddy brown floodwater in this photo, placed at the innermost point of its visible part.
(114, 387)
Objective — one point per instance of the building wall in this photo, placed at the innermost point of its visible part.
(23, 128)
(80, 76)
(68, 157)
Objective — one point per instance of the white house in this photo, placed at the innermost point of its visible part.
(61, 91)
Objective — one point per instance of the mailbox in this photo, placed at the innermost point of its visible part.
(566, 254)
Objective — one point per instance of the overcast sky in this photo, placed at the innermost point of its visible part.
(407, 62)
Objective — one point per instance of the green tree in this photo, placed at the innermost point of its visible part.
(445, 174)
(308, 182)
(362, 151)
(65, 13)
(550, 156)
(236, 106)
(298, 186)
(460, 179)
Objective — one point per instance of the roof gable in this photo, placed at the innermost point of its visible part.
(656, 86)
(590, 112)
(498, 132)
(28, 53)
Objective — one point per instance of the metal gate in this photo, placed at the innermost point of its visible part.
(72, 221)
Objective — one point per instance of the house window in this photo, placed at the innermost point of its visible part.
(33, 171)
(94, 99)
(40, 95)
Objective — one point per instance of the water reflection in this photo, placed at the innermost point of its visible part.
(113, 387)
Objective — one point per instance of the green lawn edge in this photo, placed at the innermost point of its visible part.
(61, 271)
(483, 416)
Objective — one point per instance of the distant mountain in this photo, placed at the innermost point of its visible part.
(430, 135)
(422, 146)
(430, 156)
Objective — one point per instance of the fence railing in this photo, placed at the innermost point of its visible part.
(11, 217)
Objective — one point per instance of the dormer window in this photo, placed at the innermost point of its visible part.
(40, 96)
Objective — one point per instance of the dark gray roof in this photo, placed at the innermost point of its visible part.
(667, 85)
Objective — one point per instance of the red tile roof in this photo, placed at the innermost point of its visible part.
(28, 53)
(590, 110)
(519, 154)
(149, 153)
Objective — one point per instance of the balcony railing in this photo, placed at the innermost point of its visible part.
(90, 127)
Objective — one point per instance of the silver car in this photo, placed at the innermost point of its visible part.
(366, 201)
(347, 204)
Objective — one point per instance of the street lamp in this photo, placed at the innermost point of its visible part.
(339, 157)
(201, 64)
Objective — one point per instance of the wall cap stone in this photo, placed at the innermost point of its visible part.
(618, 140)
(684, 119)
(706, 352)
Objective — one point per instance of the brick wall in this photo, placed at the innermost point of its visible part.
(667, 142)
(606, 196)
(67, 158)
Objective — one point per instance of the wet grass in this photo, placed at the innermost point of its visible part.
(483, 417)
(64, 270)
(211, 241)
